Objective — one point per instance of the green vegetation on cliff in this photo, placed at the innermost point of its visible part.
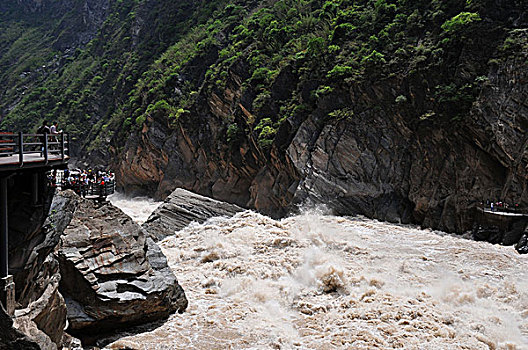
(49, 72)
(162, 60)
(288, 56)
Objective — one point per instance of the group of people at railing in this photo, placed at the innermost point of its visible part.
(49, 134)
(500, 206)
(86, 182)
(48, 140)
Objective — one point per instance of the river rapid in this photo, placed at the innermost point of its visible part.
(316, 281)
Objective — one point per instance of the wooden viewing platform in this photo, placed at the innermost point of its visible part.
(18, 151)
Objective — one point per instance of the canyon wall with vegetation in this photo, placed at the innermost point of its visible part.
(407, 111)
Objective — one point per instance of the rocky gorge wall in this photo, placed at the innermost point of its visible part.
(40, 313)
(384, 160)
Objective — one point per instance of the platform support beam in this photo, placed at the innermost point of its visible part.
(3, 228)
(7, 287)
(35, 188)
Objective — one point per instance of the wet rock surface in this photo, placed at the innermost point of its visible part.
(113, 274)
(183, 207)
(522, 245)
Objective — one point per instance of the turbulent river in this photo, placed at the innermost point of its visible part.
(315, 281)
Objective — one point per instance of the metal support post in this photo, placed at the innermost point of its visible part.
(35, 188)
(46, 148)
(7, 287)
(62, 145)
(21, 148)
(3, 228)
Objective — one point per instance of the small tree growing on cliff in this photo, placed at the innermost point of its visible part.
(459, 23)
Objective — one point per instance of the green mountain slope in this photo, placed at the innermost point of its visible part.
(54, 68)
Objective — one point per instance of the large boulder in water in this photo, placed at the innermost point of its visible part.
(181, 208)
(113, 274)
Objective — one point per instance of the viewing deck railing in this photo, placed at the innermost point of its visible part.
(20, 147)
(92, 189)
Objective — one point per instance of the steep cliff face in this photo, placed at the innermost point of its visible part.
(423, 145)
(403, 111)
(77, 61)
(33, 235)
(430, 174)
(78, 21)
(38, 39)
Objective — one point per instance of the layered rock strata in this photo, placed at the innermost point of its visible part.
(396, 162)
(180, 209)
(113, 274)
(33, 236)
(44, 317)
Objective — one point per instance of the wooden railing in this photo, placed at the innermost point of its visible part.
(37, 147)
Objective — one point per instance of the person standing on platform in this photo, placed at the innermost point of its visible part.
(43, 129)
(54, 130)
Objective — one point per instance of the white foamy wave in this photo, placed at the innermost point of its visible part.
(138, 208)
(324, 282)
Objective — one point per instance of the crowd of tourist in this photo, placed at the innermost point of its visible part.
(499, 205)
(88, 182)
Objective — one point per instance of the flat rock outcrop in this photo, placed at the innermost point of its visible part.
(113, 274)
(183, 207)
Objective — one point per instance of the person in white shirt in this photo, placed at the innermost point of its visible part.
(53, 128)
(54, 131)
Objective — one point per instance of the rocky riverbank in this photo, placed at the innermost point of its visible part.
(91, 270)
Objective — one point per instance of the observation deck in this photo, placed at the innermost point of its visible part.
(22, 151)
